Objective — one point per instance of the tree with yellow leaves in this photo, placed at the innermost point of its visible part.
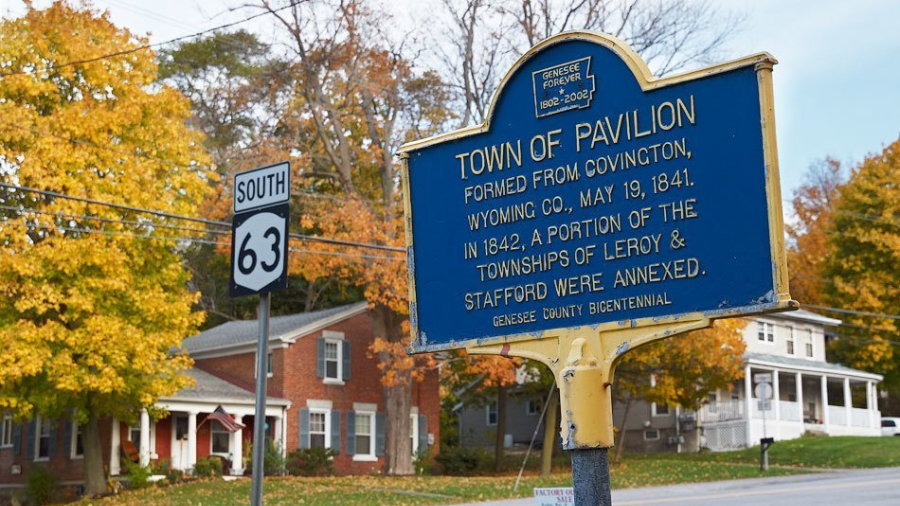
(92, 300)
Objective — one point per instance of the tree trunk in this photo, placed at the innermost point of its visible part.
(397, 395)
(397, 443)
(499, 449)
(550, 430)
(620, 449)
(94, 477)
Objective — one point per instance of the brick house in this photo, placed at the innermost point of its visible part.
(323, 390)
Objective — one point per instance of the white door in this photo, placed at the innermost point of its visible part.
(179, 442)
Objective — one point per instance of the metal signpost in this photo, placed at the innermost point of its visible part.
(259, 249)
(597, 209)
(764, 393)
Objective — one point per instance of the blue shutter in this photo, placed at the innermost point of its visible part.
(423, 434)
(31, 440)
(351, 433)
(51, 448)
(67, 440)
(304, 428)
(346, 359)
(336, 431)
(320, 357)
(379, 434)
(17, 439)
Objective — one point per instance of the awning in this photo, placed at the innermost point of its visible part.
(224, 419)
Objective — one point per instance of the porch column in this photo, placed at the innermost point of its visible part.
(776, 395)
(237, 449)
(825, 402)
(192, 441)
(115, 464)
(276, 432)
(799, 380)
(848, 401)
(869, 405)
(748, 403)
(144, 450)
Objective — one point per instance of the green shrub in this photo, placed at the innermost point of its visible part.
(274, 462)
(462, 461)
(138, 475)
(41, 487)
(209, 467)
(311, 462)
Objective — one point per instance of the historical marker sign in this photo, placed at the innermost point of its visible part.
(596, 194)
(259, 233)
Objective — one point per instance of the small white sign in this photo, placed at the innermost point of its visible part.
(763, 377)
(763, 391)
(262, 187)
(554, 496)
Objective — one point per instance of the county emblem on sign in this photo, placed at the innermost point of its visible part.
(597, 194)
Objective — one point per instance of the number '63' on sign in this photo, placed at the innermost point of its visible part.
(259, 250)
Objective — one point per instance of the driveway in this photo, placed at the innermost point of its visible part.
(870, 487)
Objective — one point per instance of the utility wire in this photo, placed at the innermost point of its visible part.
(205, 221)
(854, 312)
(125, 52)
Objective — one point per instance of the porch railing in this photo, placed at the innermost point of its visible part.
(722, 411)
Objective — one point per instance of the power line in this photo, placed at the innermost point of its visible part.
(303, 237)
(125, 52)
(851, 311)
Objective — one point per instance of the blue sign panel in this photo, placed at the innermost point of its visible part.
(594, 194)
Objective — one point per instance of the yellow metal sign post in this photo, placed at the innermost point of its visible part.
(596, 210)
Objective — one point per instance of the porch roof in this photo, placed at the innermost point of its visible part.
(209, 389)
(764, 359)
(285, 328)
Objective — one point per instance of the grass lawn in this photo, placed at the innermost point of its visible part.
(423, 490)
(816, 452)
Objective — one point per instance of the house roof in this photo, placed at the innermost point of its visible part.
(209, 388)
(807, 316)
(804, 364)
(281, 328)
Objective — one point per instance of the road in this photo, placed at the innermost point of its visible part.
(869, 487)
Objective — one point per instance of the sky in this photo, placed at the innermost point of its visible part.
(837, 84)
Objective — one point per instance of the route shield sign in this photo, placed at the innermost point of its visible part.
(259, 230)
(597, 194)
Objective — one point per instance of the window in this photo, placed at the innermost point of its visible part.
(42, 439)
(414, 432)
(534, 406)
(318, 429)
(765, 332)
(790, 341)
(659, 409)
(713, 402)
(651, 434)
(6, 430)
(332, 360)
(76, 446)
(220, 439)
(491, 413)
(809, 343)
(134, 435)
(365, 431)
(888, 423)
(269, 368)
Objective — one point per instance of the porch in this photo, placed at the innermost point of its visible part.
(807, 396)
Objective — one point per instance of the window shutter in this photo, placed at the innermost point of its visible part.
(31, 441)
(379, 434)
(304, 428)
(336, 431)
(423, 434)
(66, 448)
(351, 433)
(17, 439)
(346, 359)
(51, 448)
(320, 357)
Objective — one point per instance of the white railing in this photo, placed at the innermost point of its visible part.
(837, 415)
(722, 411)
(789, 411)
(860, 417)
